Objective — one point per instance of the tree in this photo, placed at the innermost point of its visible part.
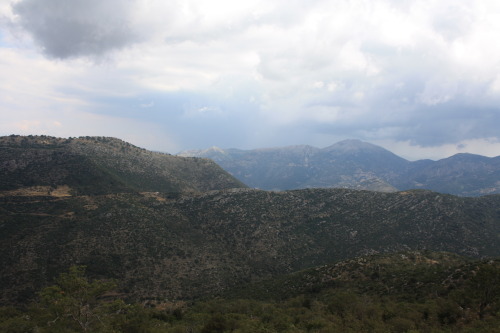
(484, 288)
(481, 293)
(76, 304)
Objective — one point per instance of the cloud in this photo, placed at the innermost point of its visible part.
(395, 74)
(147, 105)
(66, 29)
(260, 73)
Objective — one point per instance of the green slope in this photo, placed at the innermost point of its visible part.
(179, 246)
(100, 165)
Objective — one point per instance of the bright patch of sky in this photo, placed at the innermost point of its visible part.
(419, 77)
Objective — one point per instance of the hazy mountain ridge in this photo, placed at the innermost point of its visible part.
(358, 165)
(463, 174)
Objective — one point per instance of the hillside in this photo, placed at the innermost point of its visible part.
(410, 274)
(409, 291)
(357, 165)
(100, 165)
(183, 246)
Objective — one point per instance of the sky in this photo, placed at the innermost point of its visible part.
(418, 77)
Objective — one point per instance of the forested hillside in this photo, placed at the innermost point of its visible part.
(402, 292)
(182, 246)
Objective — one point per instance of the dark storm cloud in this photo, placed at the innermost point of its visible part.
(76, 28)
(451, 123)
(425, 126)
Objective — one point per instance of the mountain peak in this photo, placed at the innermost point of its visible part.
(209, 152)
(216, 149)
(353, 145)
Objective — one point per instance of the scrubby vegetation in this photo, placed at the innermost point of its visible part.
(102, 165)
(179, 246)
(466, 301)
(164, 254)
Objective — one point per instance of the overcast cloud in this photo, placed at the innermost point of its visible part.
(419, 77)
(65, 29)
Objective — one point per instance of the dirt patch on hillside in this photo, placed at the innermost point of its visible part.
(35, 191)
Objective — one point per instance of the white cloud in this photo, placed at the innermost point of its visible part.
(406, 71)
(148, 105)
(53, 98)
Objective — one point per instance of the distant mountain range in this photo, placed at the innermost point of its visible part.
(356, 165)
(169, 227)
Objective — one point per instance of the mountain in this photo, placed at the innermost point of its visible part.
(100, 165)
(357, 165)
(174, 228)
(340, 165)
(461, 174)
(188, 245)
